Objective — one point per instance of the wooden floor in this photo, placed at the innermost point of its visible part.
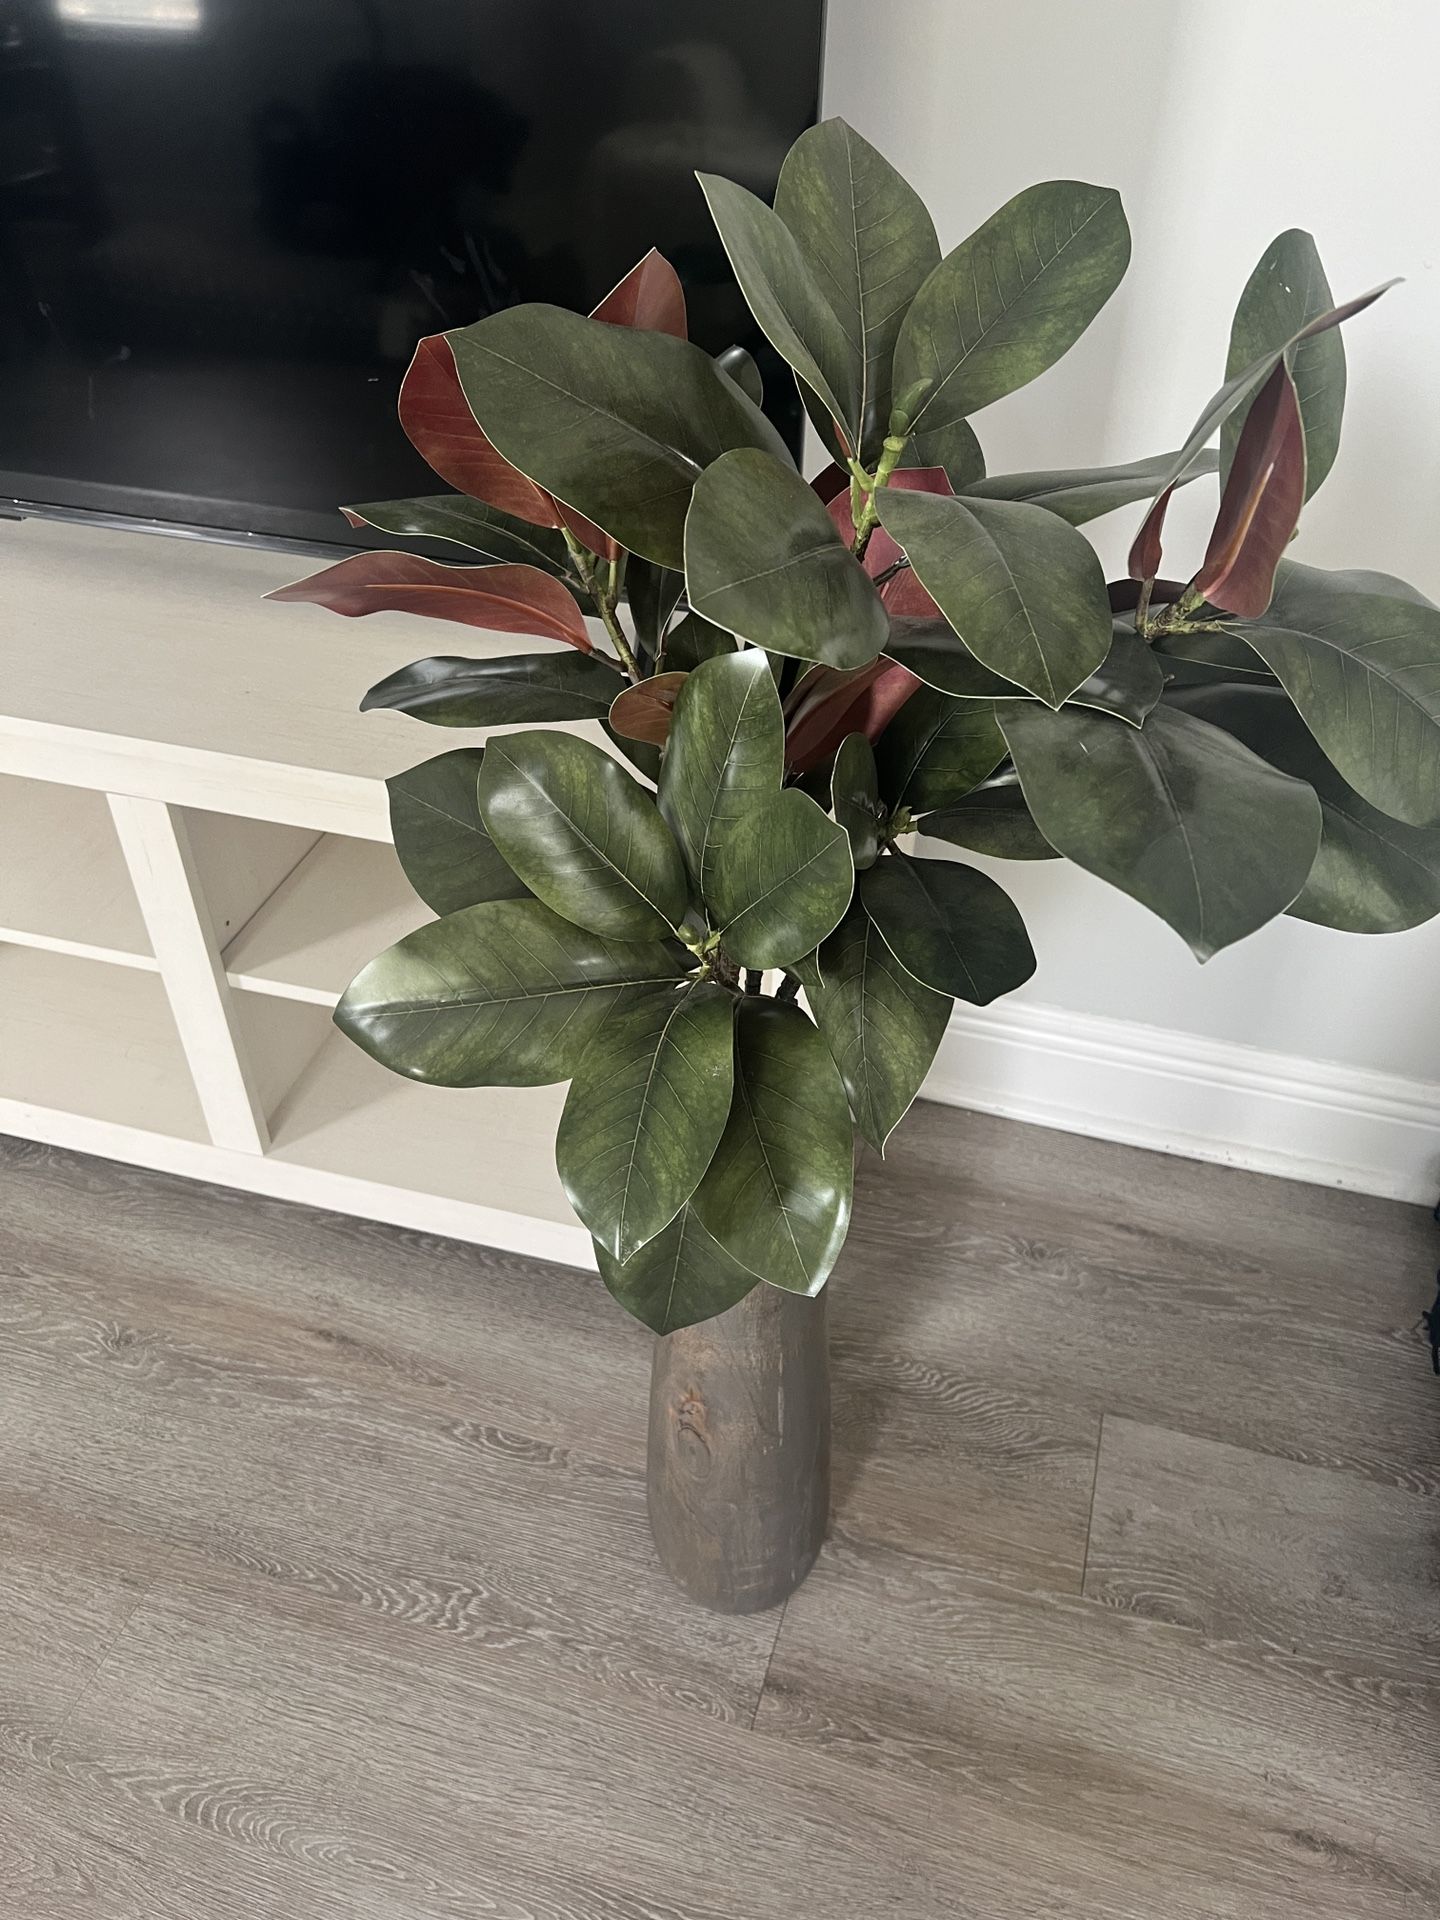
(326, 1592)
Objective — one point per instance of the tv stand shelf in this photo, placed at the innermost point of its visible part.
(194, 861)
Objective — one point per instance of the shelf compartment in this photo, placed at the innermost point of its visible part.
(86, 1038)
(491, 1147)
(64, 886)
(345, 902)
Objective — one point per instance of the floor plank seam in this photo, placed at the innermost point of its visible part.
(1090, 1512)
(765, 1677)
(88, 1683)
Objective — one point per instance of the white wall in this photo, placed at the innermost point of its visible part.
(1222, 122)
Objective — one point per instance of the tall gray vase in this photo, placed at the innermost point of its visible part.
(739, 1463)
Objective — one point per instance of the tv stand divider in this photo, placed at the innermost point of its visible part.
(194, 861)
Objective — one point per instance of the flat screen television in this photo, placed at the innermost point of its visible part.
(224, 223)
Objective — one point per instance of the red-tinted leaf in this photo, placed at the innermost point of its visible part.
(436, 415)
(830, 481)
(650, 297)
(506, 599)
(644, 711)
(834, 704)
(1260, 507)
(1144, 560)
(903, 594)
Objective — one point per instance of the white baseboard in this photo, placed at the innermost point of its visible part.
(1208, 1099)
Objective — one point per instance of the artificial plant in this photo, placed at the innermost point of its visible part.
(806, 674)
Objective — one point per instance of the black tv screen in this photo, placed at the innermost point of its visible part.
(225, 223)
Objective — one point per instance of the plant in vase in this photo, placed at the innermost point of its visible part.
(806, 674)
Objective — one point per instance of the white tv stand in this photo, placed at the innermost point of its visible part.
(195, 860)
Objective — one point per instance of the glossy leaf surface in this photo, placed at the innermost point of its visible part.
(1288, 290)
(855, 798)
(1008, 302)
(870, 243)
(1023, 591)
(789, 306)
(1372, 874)
(617, 423)
(448, 691)
(680, 1277)
(1080, 494)
(498, 537)
(724, 756)
(935, 654)
(937, 749)
(1364, 670)
(693, 639)
(993, 820)
(644, 711)
(442, 429)
(441, 840)
(582, 835)
(881, 1024)
(1128, 681)
(653, 593)
(952, 927)
(502, 599)
(777, 1195)
(764, 561)
(645, 1112)
(1175, 813)
(650, 297)
(1260, 506)
(502, 995)
(739, 365)
(778, 881)
(864, 701)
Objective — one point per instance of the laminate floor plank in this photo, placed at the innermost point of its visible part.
(1280, 1556)
(326, 1590)
(1125, 1294)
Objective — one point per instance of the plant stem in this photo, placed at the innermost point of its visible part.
(787, 989)
(890, 456)
(753, 980)
(605, 597)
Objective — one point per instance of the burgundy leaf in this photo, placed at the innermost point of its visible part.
(644, 711)
(830, 481)
(1260, 507)
(508, 599)
(436, 415)
(650, 297)
(836, 703)
(903, 593)
(1144, 562)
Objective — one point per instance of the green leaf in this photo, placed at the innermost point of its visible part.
(1364, 670)
(653, 594)
(1009, 301)
(1287, 290)
(693, 639)
(935, 653)
(646, 1111)
(993, 820)
(506, 994)
(1024, 591)
(777, 1195)
(582, 835)
(763, 559)
(1079, 494)
(448, 856)
(616, 423)
(680, 1277)
(499, 537)
(870, 244)
(737, 364)
(881, 1024)
(779, 881)
(788, 305)
(952, 927)
(855, 798)
(936, 749)
(1372, 874)
(725, 754)
(953, 448)
(1128, 681)
(447, 691)
(1175, 813)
